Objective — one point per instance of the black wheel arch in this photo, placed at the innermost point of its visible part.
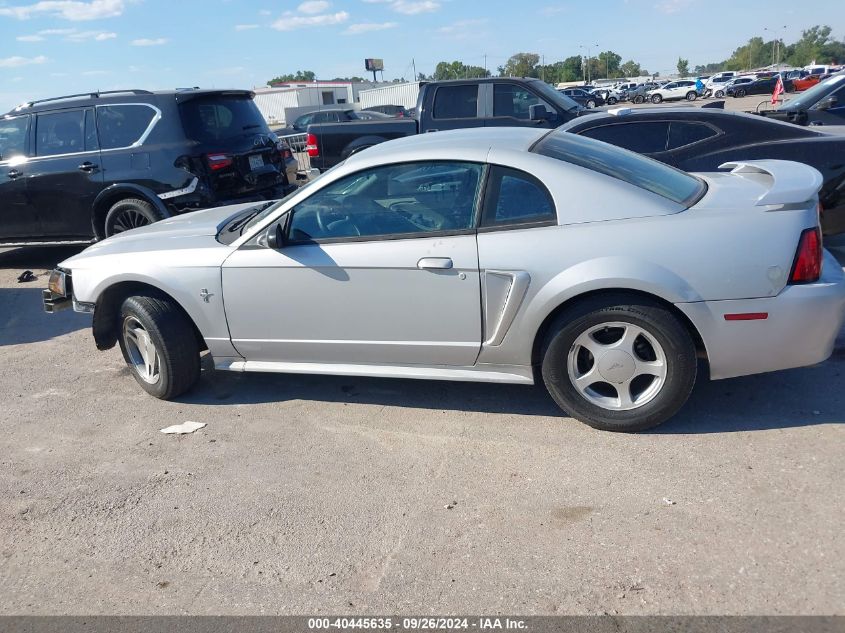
(119, 191)
(107, 311)
(613, 295)
(360, 144)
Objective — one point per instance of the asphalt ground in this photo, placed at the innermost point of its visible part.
(308, 494)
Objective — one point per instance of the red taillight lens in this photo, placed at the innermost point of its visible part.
(808, 259)
(311, 146)
(216, 162)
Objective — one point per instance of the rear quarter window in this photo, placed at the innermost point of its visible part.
(123, 125)
(640, 171)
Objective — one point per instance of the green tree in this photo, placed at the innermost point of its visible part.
(632, 69)
(561, 72)
(457, 70)
(608, 65)
(301, 75)
(810, 47)
(683, 67)
(521, 65)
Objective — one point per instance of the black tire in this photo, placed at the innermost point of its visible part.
(612, 101)
(639, 99)
(656, 99)
(692, 96)
(130, 213)
(591, 104)
(739, 94)
(174, 339)
(659, 322)
(719, 94)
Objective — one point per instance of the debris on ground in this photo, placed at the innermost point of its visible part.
(26, 276)
(449, 506)
(668, 502)
(184, 428)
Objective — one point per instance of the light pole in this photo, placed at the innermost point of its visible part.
(775, 45)
(588, 48)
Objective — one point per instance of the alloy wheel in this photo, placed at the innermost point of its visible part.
(617, 366)
(143, 355)
(129, 219)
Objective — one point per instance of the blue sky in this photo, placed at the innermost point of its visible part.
(52, 47)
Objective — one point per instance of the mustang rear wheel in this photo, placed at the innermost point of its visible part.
(656, 98)
(159, 346)
(719, 94)
(591, 104)
(619, 366)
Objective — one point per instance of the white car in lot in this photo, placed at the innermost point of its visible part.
(482, 255)
(673, 91)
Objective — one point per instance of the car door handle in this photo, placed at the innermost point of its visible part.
(88, 167)
(14, 173)
(435, 263)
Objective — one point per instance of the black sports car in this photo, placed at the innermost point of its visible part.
(760, 86)
(702, 139)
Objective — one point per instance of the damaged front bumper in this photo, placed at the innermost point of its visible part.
(58, 295)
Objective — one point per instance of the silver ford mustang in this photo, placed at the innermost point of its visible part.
(495, 255)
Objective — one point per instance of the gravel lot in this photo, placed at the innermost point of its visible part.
(312, 495)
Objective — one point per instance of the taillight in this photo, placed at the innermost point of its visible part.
(808, 259)
(311, 146)
(216, 162)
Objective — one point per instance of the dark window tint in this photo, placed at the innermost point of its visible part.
(123, 125)
(218, 118)
(512, 101)
(456, 102)
(683, 133)
(60, 133)
(91, 141)
(406, 199)
(514, 197)
(629, 167)
(641, 137)
(13, 135)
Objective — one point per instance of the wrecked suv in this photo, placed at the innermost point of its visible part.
(84, 167)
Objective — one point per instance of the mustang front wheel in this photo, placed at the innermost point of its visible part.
(159, 345)
(621, 366)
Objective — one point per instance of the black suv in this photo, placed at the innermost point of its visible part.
(88, 166)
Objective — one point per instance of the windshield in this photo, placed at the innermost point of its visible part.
(554, 97)
(219, 117)
(645, 173)
(809, 98)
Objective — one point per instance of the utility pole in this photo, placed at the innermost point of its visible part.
(485, 63)
(543, 69)
(414, 64)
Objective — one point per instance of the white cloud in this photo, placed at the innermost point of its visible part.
(149, 42)
(552, 10)
(245, 27)
(97, 36)
(413, 8)
(369, 27)
(291, 23)
(312, 7)
(409, 7)
(96, 73)
(17, 61)
(73, 10)
(30, 38)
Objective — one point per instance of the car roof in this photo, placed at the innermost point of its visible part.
(473, 144)
(688, 114)
(118, 96)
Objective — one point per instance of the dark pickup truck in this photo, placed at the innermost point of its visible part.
(449, 105)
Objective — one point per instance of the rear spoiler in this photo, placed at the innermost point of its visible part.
(788, 182)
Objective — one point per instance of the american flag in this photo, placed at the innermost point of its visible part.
(779, 90)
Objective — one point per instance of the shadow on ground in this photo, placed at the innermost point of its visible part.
(23, 320)
(794, 398)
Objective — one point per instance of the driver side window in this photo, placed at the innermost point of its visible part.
(393, 200)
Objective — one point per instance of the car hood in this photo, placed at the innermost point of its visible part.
(195, 230)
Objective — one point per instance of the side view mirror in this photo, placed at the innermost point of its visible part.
(538, 112)
(830, 102)
(276, 236)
